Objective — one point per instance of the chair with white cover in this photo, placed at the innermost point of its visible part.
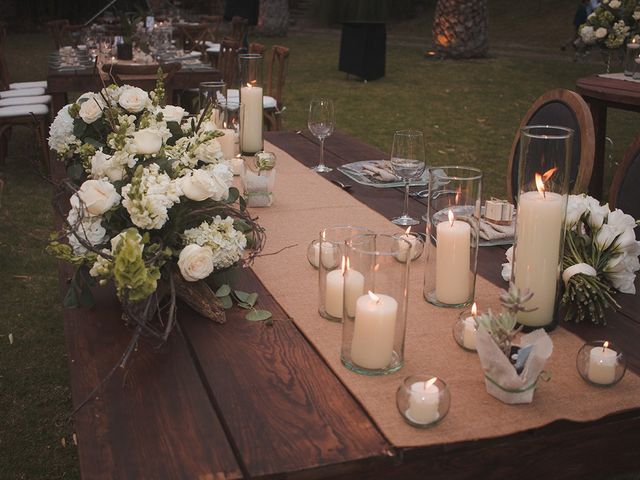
(276, 76)
(36, 117)
(5, 82)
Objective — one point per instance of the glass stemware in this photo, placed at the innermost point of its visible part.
(408, 163)
(321, 123)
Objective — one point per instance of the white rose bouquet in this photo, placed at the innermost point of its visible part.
(153, 208)
(600, 258)
(610, 24)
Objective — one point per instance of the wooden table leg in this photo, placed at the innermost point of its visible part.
(599, 114)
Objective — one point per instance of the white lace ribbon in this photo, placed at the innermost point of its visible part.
(576, 269)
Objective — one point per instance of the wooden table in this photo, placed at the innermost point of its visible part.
(602, 93)
(59, 84)
(257, 401)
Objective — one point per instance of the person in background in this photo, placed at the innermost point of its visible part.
(580, 17)
(593, 4)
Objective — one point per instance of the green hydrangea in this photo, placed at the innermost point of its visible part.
(135, 280)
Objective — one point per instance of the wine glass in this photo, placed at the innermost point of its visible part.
(408, 163)
(321, 125)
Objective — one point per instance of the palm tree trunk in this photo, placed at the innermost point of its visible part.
(460, 28)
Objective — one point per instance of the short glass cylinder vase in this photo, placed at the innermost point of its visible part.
(331, 278)
(213, 96)
(453, 222)
(258, 180)
(423, 400)
(601, 363)
(375, 293)
(251, 123)
(630, 55)
(543, 187)
(465, 329)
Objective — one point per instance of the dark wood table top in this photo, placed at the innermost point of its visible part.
(618, 93)
(256, 401)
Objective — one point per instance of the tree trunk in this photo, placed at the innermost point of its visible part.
(460, 28)
(274, 17)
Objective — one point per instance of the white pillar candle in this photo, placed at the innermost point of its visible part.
(602, 365)
(424, 402)
(339, 285)
(251, 118)
(227, 144)
(539, 228)
(374, 331)
(328, 254)
(469, 333)
(410, 251)
(453, 268)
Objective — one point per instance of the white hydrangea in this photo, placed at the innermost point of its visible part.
(148, 207)
(636, 15)
(61, 131)
(615, 4)
(85, 227)
(102, 266)
(588, 35)
(209, 151)
(225, 241)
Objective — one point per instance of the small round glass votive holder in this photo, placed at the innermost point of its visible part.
(423, 400)
(601, 363)
(328, 258)
(416, 240)
(464, 331)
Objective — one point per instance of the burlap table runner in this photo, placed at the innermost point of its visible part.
(304, 204)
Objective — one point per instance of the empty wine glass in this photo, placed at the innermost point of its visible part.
(408, 163)
(321, 125)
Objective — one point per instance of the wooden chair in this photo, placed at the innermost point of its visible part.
(625, 188)
(227, 63)
(195, 36)
(141, 76)
(563, 108)
(258, 48)
(276, 76)
(35, 117)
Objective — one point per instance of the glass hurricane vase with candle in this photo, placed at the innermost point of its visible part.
(251, 123)
(374, 304)
(453, 219)
(543, 187)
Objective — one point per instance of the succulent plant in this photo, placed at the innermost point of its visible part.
(503, 327)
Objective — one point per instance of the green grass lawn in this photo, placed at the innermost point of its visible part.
(468, 110)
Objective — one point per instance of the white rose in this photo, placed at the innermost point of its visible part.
(146, 141)
(200, 185)
(91, 110)
(133, 99)
(597, 212)
(587, 35)
(195, 262)
(636, 15)
(615, 4)
(601, 32)
(506, 267)
(605, 236)
(171, 113)
(576, 206)
(209, 152)
(98, 196)
(87, 228)
(103, 165)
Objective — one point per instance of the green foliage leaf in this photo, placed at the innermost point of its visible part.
(223, 291)
(226, 302)
(258, 315)
(234, 194)
(241, 296)
(244, 305)
(252, 298)
(92, 141)
(79, 127)
(79, 294)
(75, 172)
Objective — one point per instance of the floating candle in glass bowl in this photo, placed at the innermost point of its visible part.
(423, 400)
(601, 363)
(465, 328)
(415, 247)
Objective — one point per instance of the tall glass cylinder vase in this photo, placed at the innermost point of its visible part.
(213, 97)
(375, 304)
(251, 122)
(453, 221)
(630, 55)
(543, 188)
(331, 250)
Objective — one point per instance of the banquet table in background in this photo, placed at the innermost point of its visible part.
(59, 83)
(602, 93)
(250, 400)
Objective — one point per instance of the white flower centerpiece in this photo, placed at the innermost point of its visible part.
(153, 208)
(600, 258)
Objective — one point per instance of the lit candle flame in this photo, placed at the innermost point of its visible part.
(344, 264)
(451, 218)
(374, 297)
(408, 231)
(547, 175)
(474, 310)
(430, 382)
(541, 179)
(458, 193)
(605, 345)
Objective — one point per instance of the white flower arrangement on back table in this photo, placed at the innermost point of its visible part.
(600, 258)
(611, 23)
(153, 208)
